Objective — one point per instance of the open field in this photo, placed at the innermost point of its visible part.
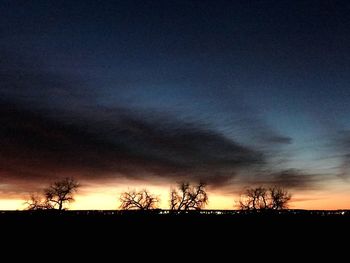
(164, 220)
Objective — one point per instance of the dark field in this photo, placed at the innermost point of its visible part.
(291, 222)
(151, 235)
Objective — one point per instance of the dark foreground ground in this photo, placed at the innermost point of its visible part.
(147, 235)
(292, 222)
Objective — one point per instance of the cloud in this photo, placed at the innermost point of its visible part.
(292, 179)
(279, 139)
(28, 81)
(52, 126)
(341, 145)
(36, 146)
(258, 133)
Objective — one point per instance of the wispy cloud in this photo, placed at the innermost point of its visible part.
(52, 126)
(341, 145)
(120, 143)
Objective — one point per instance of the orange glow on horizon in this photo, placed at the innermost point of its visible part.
(93, 197)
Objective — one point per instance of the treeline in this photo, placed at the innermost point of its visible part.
(185, 196)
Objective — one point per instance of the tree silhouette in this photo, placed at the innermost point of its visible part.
(260, 198)
(142, 200)
(61, 192)
(188, 197)
(254, 199)
(279, 198)
(37, 202)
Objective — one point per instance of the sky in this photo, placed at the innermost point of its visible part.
(145, 94)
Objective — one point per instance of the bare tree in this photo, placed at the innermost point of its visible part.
(254, 199)
(37, 202)
(279, 198)
(61, 192)
(188, 197)
(260, 198)
(142, 200)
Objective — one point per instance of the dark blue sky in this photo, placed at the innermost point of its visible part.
(267, 77)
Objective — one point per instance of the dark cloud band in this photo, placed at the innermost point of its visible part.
(119, 143)
(51, 126)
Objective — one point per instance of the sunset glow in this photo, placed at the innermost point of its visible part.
(107, 198)
(102, 97)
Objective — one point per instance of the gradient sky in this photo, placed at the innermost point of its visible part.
(140, 94)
